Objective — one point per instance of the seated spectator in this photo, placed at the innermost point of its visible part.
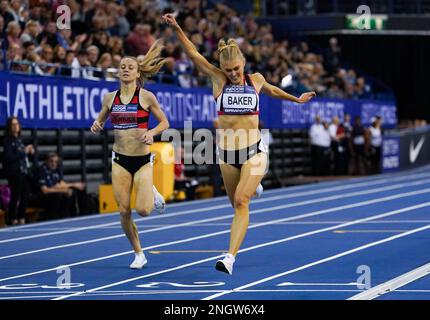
(60, 55)
(13, 30)
(140, 39)
(47, 60)
(71, 65)
(58, 198)
(49, 35)
(103, 64)
(31, 32)
(83, 62)
(17, 169)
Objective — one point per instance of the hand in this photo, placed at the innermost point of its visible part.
(169, 18)
(96, 127)
(80, 186)
(29, 149)
(147, 137)
(307, 96)
(81, 38)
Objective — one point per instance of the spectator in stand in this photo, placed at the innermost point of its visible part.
(333, 55)
(116, 46)
(362, 89)
(374, 145)
(59, 55)
(347, 143)
(2, 43)
(14, 54)
(36, 61)
(103, 64)
(17, 169)
(49, 35)
(336, 135)
(93, 55)
(2, 27)
(6, 12)
(140, 40)
(47, 58)
(28, 48)
(93, 58)
(58, 198)
(320, 147)
(71, 65)
(341, 160)
(13, 30)
(358, 140)
(31, 33)
(98, 22)
(83, 62)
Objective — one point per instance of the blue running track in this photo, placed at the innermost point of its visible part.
(363, 238)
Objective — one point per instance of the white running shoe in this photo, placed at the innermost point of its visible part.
(259, 190)
(159, 202)
(139, 261)
(226, 264)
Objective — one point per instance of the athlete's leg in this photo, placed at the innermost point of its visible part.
(144, 190)
(250, 177)
(122, 186)
(230, 176)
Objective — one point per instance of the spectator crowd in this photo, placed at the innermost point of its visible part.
(103, 31)
(342, 148)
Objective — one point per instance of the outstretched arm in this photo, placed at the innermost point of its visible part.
(276, 92)
(201, 63)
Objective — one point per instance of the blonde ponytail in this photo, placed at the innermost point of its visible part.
(151, 63)
(229, 50)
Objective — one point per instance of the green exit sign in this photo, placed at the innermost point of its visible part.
(366, 22)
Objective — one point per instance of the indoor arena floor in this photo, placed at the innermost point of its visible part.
(363, 238)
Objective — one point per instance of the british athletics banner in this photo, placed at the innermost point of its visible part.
(56, 102)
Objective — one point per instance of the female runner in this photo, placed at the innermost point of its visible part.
(243, 156)
(129, 109)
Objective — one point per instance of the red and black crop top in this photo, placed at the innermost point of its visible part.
(128, 116)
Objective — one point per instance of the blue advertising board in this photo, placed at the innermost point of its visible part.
(56, 102)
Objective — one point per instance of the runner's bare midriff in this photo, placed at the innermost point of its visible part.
(245, 131)
(126, 142)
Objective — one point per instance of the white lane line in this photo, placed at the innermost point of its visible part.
(371, 191)
(137, 293)
(306, 266)
(221, 224)
(28, 297)
(393, 284)
(255, 201)
(314, 213)
(360, 180)
(302, 235)
(187, 212)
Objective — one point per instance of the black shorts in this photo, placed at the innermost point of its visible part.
(237, 158)
(131, 163)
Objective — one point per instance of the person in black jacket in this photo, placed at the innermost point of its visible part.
(16, 167)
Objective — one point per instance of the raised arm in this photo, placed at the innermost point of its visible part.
(201, 63)
(276, 92)
(103, 115)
